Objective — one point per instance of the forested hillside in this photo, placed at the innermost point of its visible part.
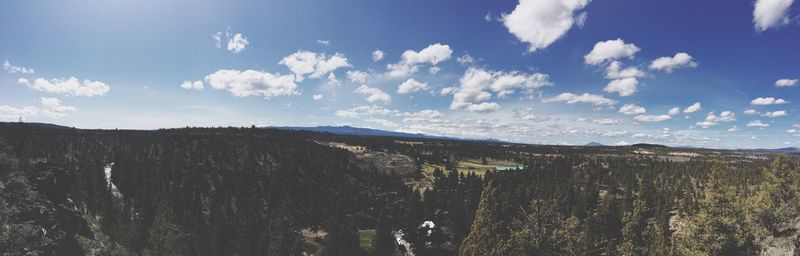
(253, 191)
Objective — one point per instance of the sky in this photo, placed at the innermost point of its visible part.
(713, 73)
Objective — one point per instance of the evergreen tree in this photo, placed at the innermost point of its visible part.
(383, 242)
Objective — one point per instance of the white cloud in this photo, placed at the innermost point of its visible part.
(693, 108)
(52, 108)
(773, 114)
(572, 98)
(332, 80)
(427, 115)
(610, 50)
(323, 42)
(615, 71)
(217, 39)
(669, 64)
(757, 123)
(9, 112)
(315, 65)
(542, 22)
(476, 83)
(383, 122)
(606, 121)
(465, 59)
(374, 94)
(410, 86)
(488, 17)
(484, 107)
(366, 111)
(786, 83)
(11, 69)
(734, 129)
(448, 90)
(751, 112)
(411, 60)
(624, 86)
(237, 43)
(674, 111)
(357, 76)
(377, 55)
(189, 85)
(433, 70)
(70, 87)
(631, 109)
(768, 101)
(652, 118)
(252, 83)
(317, 96)
(712, 119)
(771, 13)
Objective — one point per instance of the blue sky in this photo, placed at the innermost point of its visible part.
(535, 71)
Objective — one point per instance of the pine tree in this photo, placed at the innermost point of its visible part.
(488, 234)
(383, 242)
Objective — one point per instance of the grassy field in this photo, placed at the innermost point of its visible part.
(467, 166)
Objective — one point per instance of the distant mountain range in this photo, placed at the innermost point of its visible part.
(594, 144)
(349, 130)
(789, 150)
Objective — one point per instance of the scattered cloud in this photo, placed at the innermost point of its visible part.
(488, 17)
(734, 129)
(712, 119)
(624, 86)
(465, 59)
(11, 69)
(773, 114)
(615, 71)
(317, 96)
(52, 108)
(631, 109)
(70, 86)
(377, 55)
(771, 13)
(786, 83)
(757, 123)
(693, 108)
(323, 42)
(237, 43)
(433, 70)
(189, 85)
(252, 83)
(483, 107)
(606, 121)
(610, 50)
(540, 23)
(370, 110)
(476, 84)
(652, 118)
(768, 101)
(411, 86)
(316, 65)
(411, 60)
(669, 64)
(674, 111)
(374, 95)
(9, 112)
(571, 98)
(357, 76)
(751, 112)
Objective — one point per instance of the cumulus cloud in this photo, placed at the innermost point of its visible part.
(465, 59)
(631, 109)
(357, 76)
(377, 55)
(70, 86)
(624, 86)
(52, 108)
(571, 98)
(734, 129)
(768, 101)
(411, 86)
(615, 71)
(712, 119)
(477, 84)
(757, 124)
(323, 42)
(693, 108)
(540, 23)
(316, 65)
(11, 69)
(411, 60)
(610, 50)
(484, 107)
(669, 64)
(674, 111)
(189, 85)
(606, 121)
(252, 83)
(786, 83)
(361, 111)
(652, 118)
(9, 112)
(317, 96)
(433, 70)
(771, 13)
(237, 43)
(374, 95)
(778, 113)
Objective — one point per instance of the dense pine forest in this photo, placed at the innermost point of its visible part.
(256, 191)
